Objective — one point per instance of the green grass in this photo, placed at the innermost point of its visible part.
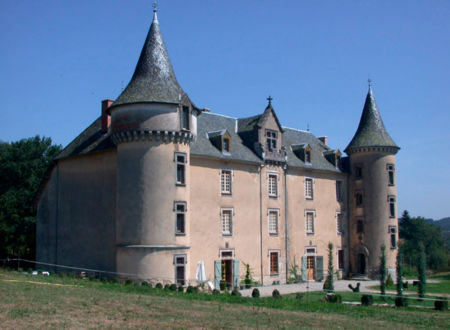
(54, 302)
(442, 287)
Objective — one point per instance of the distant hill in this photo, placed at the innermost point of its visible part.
(444, 224)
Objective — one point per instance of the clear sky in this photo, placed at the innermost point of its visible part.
(59, 59)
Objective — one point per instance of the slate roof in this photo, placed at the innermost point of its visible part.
(371, 131)
(153, 79)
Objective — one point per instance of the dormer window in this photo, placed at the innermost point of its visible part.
(308, 156)
(185, 118)
(226, 144)
(271, 140)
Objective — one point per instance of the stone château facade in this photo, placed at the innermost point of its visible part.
(155, 185)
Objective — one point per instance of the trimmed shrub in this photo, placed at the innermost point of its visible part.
(158, 286)
(367, 300)
(222, 285)
(180, 288)
(190, 289)
(327, 286)
(441, 304)
(255, 293)
(356, 288)
(166, 286)
(236, 292)
(401, 302)
(215, 292)
(333, 298)
(389, 281)
(276, 294)
(144, 283)
(173, 287)
(127, 282)
(299, 296)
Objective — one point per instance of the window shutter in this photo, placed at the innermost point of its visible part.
(236, 273)
(319, 268)
(304, 270)
(217, 274)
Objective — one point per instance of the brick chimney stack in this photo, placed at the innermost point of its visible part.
(106, 116)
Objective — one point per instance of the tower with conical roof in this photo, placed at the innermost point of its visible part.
(153, 122)
(373, 193)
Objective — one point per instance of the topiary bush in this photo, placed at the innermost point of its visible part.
(190, 289)
(127, 282)
(180, 288)
(333, 298)
(144, 283)
(166, 286)
(236, 292)
(255, 293)
(299, 296)
(367, 300)
(173, 287)
(441, 304)
(356, 288)
(276, 294)
(158, 286)
(401, 302)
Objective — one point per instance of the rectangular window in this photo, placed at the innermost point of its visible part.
(273, 185)
(307, 156)
(226, 144)
(391, 200)
(310, 223)
(339, 224)
(180, 218)
(309, 188)
(273, 222)
(339, 191)
(358, 171)
(274, 263)
(341, 259)
(393, 233)
(227, 222)
(180, 269)
(180, 160)
(390, 169)
(226, 182)
(185, 118)
(271, 140)
(359, 199)
(360, 226)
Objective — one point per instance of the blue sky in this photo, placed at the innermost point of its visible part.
(59, 59)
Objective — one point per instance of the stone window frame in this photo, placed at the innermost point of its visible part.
(340, 190)
(185, 114)
(223, 172)
(307, 195)
(229, 210)
(183, 262)
(339, 223)
(311, 231)
(393, 233)
(276, 270)
(180, 159)
(358, 171)
(178, 212)
(277, 221)
(391, 174)
(271, 139)
(270, 192)
(392, 209)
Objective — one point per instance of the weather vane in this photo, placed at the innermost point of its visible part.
(155, 6)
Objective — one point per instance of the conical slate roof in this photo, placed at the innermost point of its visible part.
(371, 131)
(153, 79)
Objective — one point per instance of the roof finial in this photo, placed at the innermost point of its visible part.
(270, 100)
(370, 83)
(155, 6)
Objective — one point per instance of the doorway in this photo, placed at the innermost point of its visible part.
(227, 272)
(311, 267)
(361, 264)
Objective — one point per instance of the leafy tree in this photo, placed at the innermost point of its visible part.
(417, 230)
(383, 270)
(22, 168)
(399, 273)
(421, 268)
(329, 282)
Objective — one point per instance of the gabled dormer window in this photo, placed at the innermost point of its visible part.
(271, 140)
(308, 156)
(226, 144)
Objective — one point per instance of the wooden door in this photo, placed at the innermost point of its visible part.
(311, 265)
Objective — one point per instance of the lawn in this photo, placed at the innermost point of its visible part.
(53, 302)
(443, 286)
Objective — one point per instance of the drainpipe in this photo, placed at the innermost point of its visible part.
(57, 216)
(261, 223)
(349, 210)
(286, 219)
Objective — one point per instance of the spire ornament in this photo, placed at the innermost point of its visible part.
(270, 98)
(155, 6)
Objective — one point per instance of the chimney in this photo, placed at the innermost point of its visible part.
(106, 116)
(206, 110)
(324, 140)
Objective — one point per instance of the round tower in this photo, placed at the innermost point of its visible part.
(152, 123)
(373, 194)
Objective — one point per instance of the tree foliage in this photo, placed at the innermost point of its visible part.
(22, 168)
(329, 282)
(414, 231)
(421, 270)
(383, 270)
(399, 272)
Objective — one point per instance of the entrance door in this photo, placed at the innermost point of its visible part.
(361, 263)
(227, 272)
(311, 265)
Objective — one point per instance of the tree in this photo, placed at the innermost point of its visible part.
(383, 270)
(399, 273)
(329, 282)
(22, 168)
(417, 230)
(421, 269)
